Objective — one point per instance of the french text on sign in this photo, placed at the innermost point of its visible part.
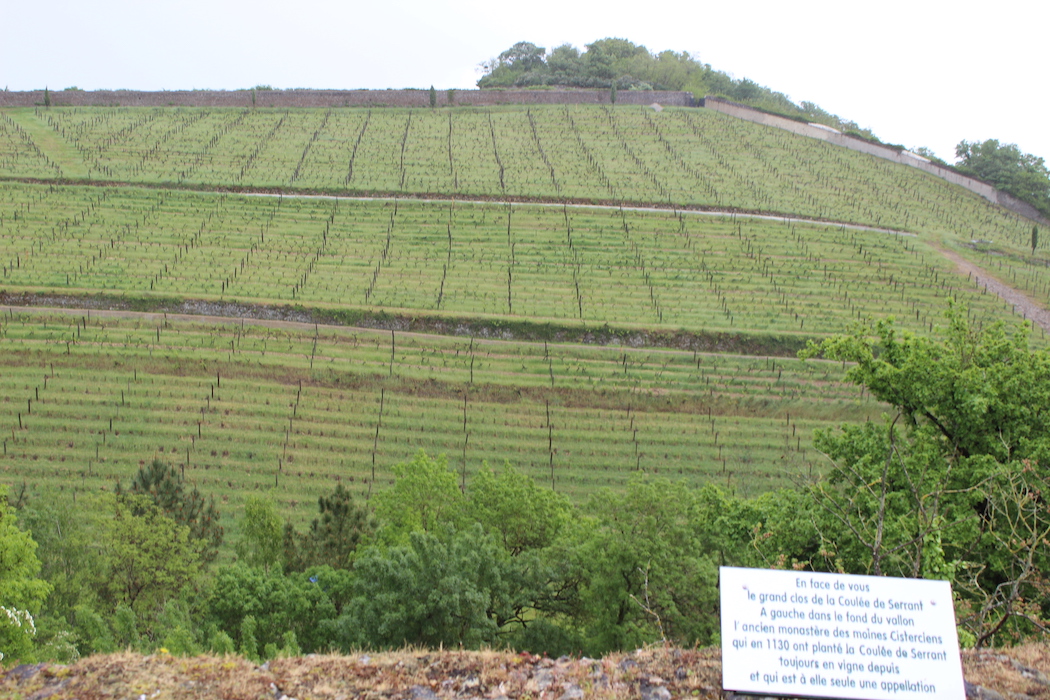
(833, 635)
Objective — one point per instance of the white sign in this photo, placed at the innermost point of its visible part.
(832, 635)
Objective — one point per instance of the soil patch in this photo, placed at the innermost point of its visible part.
(651, 674)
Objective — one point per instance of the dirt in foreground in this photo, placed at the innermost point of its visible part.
(649, 674)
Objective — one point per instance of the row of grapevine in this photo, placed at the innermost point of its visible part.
(88, 398)
(678, 157)
(592, 265)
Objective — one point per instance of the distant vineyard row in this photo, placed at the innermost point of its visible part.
(591, 266)
(675, 158)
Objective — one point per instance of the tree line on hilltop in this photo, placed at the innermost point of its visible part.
(619, 64)
(951, 484)
(1008, 169)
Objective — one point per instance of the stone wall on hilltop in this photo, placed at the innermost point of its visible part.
(897, 155)
(337, 98)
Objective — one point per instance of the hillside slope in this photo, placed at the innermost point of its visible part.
(470, 222)
(679, 157)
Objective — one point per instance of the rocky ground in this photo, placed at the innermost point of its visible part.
(650, 674)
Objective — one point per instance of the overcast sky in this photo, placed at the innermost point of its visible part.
(917, 72)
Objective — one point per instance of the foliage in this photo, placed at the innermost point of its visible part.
(886, 496)
(1023, 175)
(947, 487)
(435, 590)
(643, 575)
(94, 635)
(69, 555)
(619, 64)
(980, 391)
(21, 590)
(256, 607)
(261, 544)
(510, 505)
(167, 489)
(148, 557)
(1007, 590)
(174, 627)
(332, 538)
(221, 644)
(606, 63)
(424, 498)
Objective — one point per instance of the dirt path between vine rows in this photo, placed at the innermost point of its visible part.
(1028, 308)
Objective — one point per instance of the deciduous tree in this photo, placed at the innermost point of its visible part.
(149, 557)
(1004, 165)
(511, 506)
(424, 498)
(21, 590)
(261, 527)
(946, 486)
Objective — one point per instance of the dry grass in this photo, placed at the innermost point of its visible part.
(1019, 671)
(423, 675)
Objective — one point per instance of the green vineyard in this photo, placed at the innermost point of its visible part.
(593, 266)
(624, 224)
(89, 398)
(678, 158)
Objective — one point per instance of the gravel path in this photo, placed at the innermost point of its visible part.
(1021, 303)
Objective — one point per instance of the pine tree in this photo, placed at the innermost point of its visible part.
(332, 537)
(165, 487)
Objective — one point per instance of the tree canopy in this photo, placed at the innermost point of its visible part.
(615, 63)
(21, 590)
(1004, 165)
(333, 537)
(951, 485)
(166, 488)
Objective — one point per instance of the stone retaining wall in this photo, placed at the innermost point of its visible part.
(888, 152)
(337, 98)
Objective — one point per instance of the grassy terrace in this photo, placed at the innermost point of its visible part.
(679, 157)
(654, 269)
(87, 399)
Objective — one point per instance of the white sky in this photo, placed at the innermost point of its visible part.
(917, 72)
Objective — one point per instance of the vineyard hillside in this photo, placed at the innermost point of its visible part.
(294, 298)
